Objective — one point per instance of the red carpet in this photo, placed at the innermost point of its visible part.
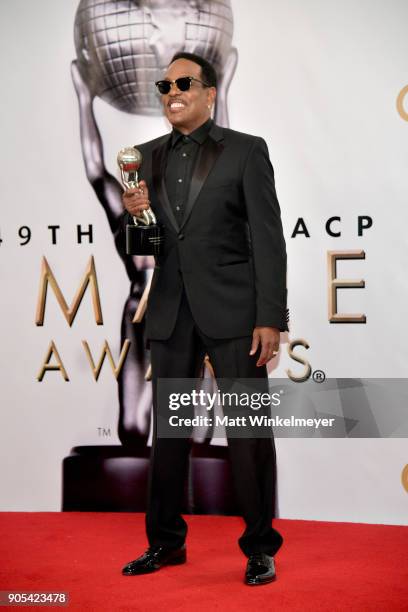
(321, 566)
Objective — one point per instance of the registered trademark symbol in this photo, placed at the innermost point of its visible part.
(319, 376)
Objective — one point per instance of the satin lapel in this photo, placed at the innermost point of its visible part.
(207, 156)
(159, 158)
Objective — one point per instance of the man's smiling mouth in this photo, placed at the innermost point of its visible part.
(176, 105)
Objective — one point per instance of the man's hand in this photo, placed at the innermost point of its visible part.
(136, 200)
(269, 339)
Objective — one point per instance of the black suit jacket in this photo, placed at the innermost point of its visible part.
(229, 251)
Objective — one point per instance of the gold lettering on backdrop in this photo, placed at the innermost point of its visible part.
(400, 103)
(141, 308)
(404, 478)
(47, 366)
(291, 346)
(106, 351)
(335, 283)
(70, 312)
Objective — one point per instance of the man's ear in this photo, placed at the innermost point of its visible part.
(212, 95)
(221, 108)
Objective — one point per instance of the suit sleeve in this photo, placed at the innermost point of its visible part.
(268, 242)
(123, 220)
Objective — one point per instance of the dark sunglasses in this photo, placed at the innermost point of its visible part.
(183, 84)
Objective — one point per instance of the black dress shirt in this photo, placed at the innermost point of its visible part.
(181, 160)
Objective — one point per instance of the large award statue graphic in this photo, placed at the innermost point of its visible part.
(122, 48)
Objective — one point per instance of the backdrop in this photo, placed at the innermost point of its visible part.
(325, 84)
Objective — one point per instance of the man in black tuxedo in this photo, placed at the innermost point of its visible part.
(218, 287)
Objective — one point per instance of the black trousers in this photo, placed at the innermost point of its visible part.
(253, 461)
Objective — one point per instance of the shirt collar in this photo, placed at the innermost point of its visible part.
(198, 135)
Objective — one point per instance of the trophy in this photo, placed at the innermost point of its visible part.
(145, 236)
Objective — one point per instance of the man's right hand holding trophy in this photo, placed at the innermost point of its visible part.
(136, 199)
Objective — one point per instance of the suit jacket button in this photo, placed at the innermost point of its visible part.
(181, 236)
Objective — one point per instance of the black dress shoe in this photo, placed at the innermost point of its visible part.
(153, 559)
(260, 569)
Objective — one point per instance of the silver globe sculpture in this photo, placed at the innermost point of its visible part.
(124, 46)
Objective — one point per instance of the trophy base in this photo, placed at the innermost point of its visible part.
(144, 239)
